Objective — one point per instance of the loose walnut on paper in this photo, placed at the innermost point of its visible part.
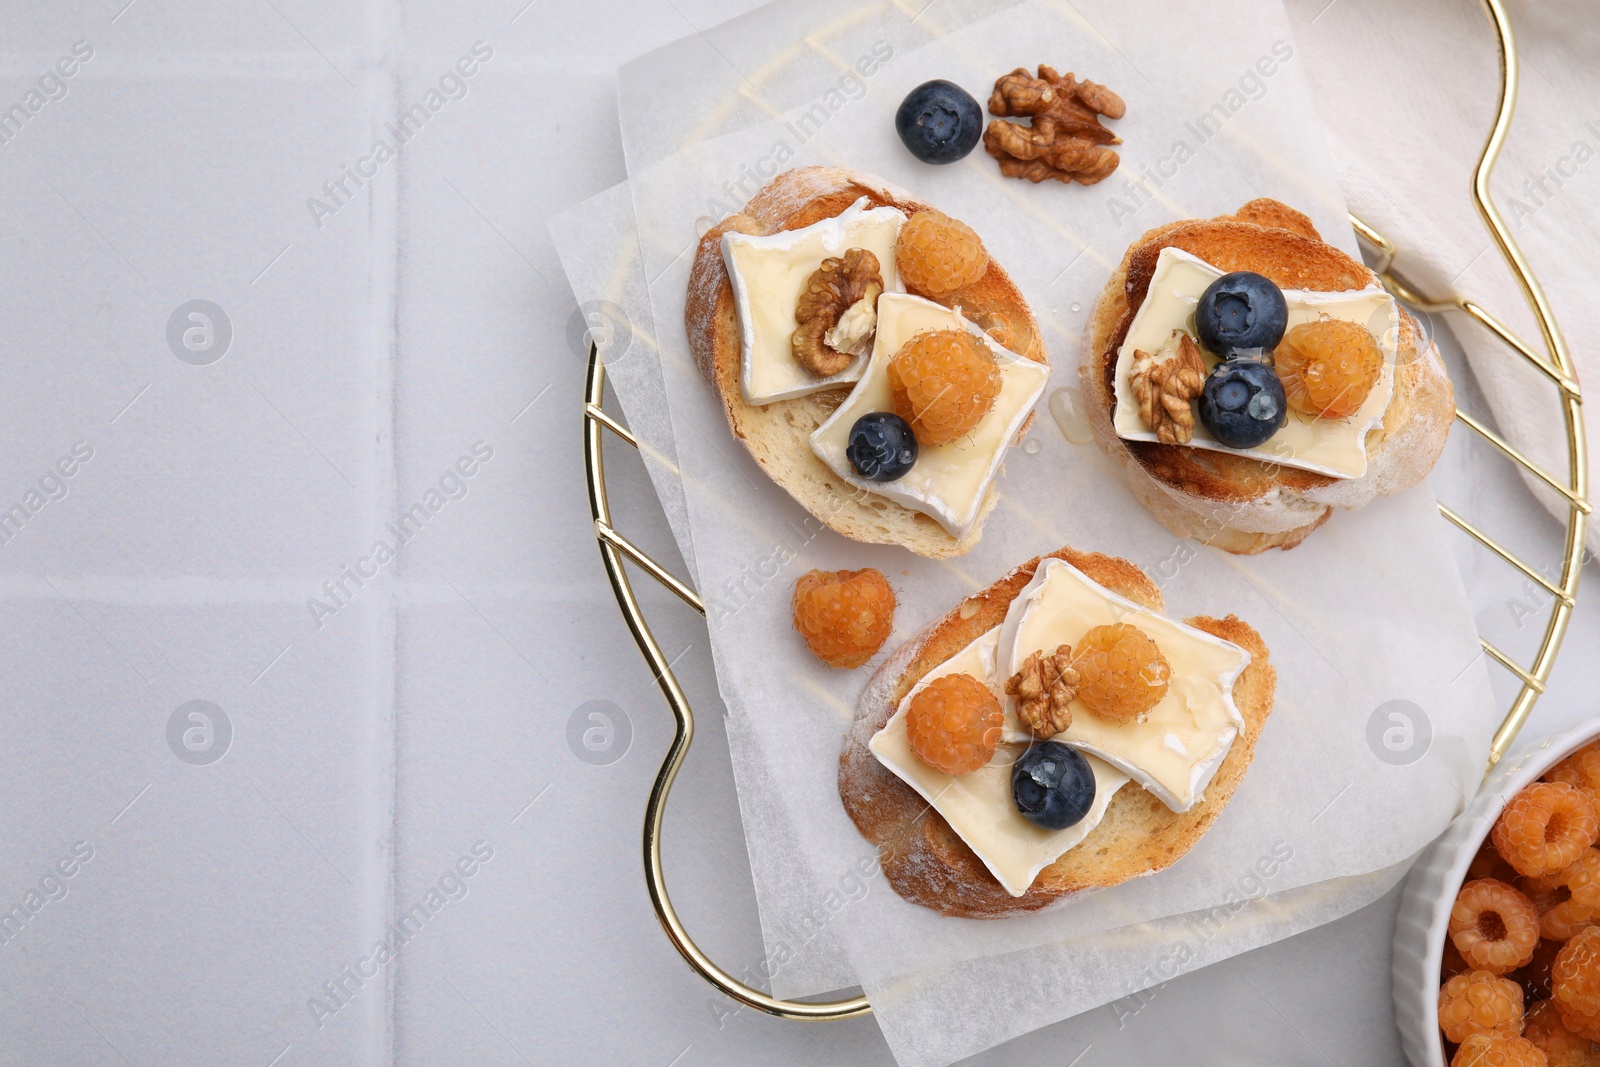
(1066, 141)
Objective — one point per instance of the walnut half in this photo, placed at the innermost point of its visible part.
(1066, 141)
(837, 313)
(1044, 689)
(1165, 383)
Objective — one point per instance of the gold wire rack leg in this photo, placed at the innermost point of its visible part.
(1574, 488)
(613, 547)
(1558, 367)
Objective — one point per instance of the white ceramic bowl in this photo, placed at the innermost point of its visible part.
(1419, 930)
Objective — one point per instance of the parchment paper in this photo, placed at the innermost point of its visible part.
(1367, 612)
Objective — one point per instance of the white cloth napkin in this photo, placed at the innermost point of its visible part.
(1408, 93)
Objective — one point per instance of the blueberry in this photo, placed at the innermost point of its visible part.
(1052, 785)
(1240, 310)
(939, 122)
(882, 446)
(1242, 404)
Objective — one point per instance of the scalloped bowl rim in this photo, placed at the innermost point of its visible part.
(1435, 879)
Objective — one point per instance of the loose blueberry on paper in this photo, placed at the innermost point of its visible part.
(1052, 785)
(1241, 310)
(939, 122)
(1242, 404)
(882, 446)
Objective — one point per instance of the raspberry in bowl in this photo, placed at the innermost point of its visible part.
(1497, 946)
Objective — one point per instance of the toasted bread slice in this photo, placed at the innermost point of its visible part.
(1236, 502)
(924, 859)
(777, 434)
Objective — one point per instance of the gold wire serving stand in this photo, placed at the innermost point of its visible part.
(1556, 365)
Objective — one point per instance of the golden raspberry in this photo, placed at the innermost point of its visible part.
(937, 254)
(943, 383)
(1548, 898)
(1575, 983)
(1534, 976)
(1581, 769)
(954, 724)
(1498, 1050)
(1576, 890)
(1559, 919)
(1121, 671)
(1479, 1003)
(1494, 926)
(1487, 863)
(1545, 827)
(844, 616)
(1328, 367)
(1452, 964)
(1561, 1047)
(1583, 1031)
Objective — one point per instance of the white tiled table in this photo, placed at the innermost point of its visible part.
(378, 756)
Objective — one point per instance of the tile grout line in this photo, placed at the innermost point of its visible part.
(382, 100)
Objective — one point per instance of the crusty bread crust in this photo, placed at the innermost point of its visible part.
(1235, 502)
(928, 864)
(777, 434)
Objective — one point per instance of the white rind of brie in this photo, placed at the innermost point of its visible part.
(768, 275)
(1174, 750)
(947, 482)
(1336, 447)
(978, 806)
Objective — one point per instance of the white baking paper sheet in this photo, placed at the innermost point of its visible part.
(1365, 621)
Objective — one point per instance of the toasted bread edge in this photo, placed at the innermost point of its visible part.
(777, 434)
(1236, 503)
(923, 858)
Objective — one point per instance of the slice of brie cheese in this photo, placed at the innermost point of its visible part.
(1178, 745)
(947, 482)
(770, 272)
(978, 806)
(1336, 447)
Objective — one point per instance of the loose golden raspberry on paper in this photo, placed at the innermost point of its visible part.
(937, 254)
(843, 616)
(943, 383)
(1581, 769)
(1498, 1050)
(1561, 1047)
(1545, 827)
(1328, 367)
(954, 724)
(1121, 671)
(1494, 926)
(1479, 1003)
(1575, 983)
